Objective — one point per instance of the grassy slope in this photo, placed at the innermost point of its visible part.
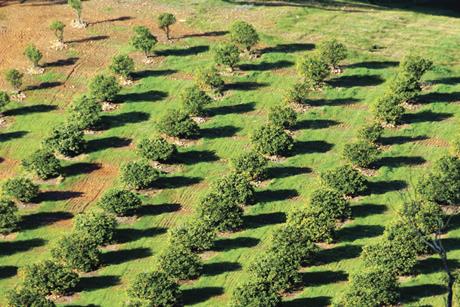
(295, 178)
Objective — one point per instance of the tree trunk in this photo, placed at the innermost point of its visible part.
(450, 278)
(167, 33)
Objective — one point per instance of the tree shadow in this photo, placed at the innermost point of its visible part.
(339, 253)
(41, 219)
(195, 156)
(265, 66)
(356, 232)
(288, 48)
(307, 147)
(232, 109)
(451, 244)
(447, 81)
(364, 210)
(8, 271)
(400, 161)
(38, 108)
(176, 182)
(263, 219)
(439, 98)
(356, 81)
(425, 116)
(315, 124)
(80, 168)
(244, 86)
(205, 34)
(219, 132)
(121, 18)
(8, 248)
(44, 86)
(125, 255)
(217, 268)
(382, 187)
(62, 62)
(58, 195)
(88, 39)
(415, 293)
(287, 171)
(374, 64)
(308, 301)
(149, 96)
(5, 137)
(152, 73)
(106, 143)
(333, 102)
(120, 120)
(198, 295)
(434, 265)
(194, 50)
(223, 245)
(398, 140)
(150, 210)
(125, 235)
(91, 283)
(268, 196)
(312, 279)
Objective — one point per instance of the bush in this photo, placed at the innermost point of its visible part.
(165, 21)
(371, 133)
(208, 79)
(157, 149)
(138, 174)
(272, 140)
(47, 278)
(244, 35)
(14, 77)
(22, 189)
(27, 298)
(120, 202)
(297, 94)
(178, 124)
(143, 40)
(442, 184)
(4, 99)
(255, 294)
(43, 163)
(346, 180)
(332, 52)
(9, 218)
(316, 226)
(194, 100)
(180, 263)
(314, 70)
(388, 109)
(406, 235)
(284, 117)
(122, 65)
(85, 112)
(250, 164)
(98, 226)
(290, 240)
(155, 289)
(77, 252)
(331, 202)
(104, 88)
(426, 217)
(220, 212)
(370, 287)
(67, 139)
(361, 154)
(236, 188)
(58, 28)
(226, 55)
(33, 54)
(197, 236)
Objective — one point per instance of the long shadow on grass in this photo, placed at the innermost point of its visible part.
(125, 235)
(219, 132)
(194, 50)
(91, 283)
(374, 64)
(62, 62)
(447, 80)
(356, 80)
(12, 247)
(307, 147)
(44, 86)
(400, 161)
(5, 137)
(195, 156)
(287, 171)
(232, 109)
(122, 119)
(425, 116)
(125, 255)
(339, 253)
(206, 34)
(439, 98)
(152, 73)
(217, 268)
(8, 271)
(149, 96)
(121, 18)
(364, 210)
(244, 86)
(223, 245)
(350, 234)
(263, 219)
(398, 140)
(199, 295)
(333, 102)
(268, 196)
(58, 195)
(80, 168)
(88, 39)
(315, 124)
(150, 210)
(106, 143)
(434, 265)
(176, 182)
(382, 187)
(38, 108)
(41, 219)
(288, 48)
(264, 66)
(451, 244)
(311, 279)
(308, 301)
(411, 294)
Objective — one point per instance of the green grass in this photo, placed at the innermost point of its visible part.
(341, 110)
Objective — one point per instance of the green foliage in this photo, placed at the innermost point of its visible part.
(220, 212)
(122, 65)
(14, 77)
(244, 35)
(58, 28)
(157, 149)
(236, 188)
(345, 179)
(292, 241)
(226, 55)
(442, 184)
(180, 263)
(362, 154)
(77, 252)
(332, 52)
(33, 54)
(77, 6)
(297, 93)
(156, 289)
(315, 224)
(255, 294)
(22, 189)
(48, 277)
(67, 139)
(424, 216)
(251, 164)
(166, 20)
(313, 69)
(406, 234)
(9, 218)
(138, 174)
(208, 79)
(4, 99)
(27, 298)
(43, 163)
(282, 116)
(178, 124)
(272, 140)
(194, 100)
(85, 112)
(104, 88)
(143, 40)
(120, 202)
(371, 132)
(388, 109)
(196, 235)
(331, 202)
(98, 226)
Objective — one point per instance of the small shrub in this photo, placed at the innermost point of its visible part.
(43, 163)
(25, 297)
(346, 180)
(157, 149)
(388, 109)
(208, 79)
(120, 202)
(67, 139)
(143, 40)
(314, 70)
(123, 66)
(297, 94)
(425, 217)
(236, 188)
(104, 88)
(361, 154)
(77, 252)
(251, 164)
(14, 78)
(332, 52)
(77, 6)
(258, 293)
(58, 28)
(85, 112)
(290, 240)
(138, 174)
(156, 289)
(98, 226)
(315, 224)
(244, 35)
(4, 100)
(33, 54)
(9, 217)
(272, 140)
(180, 263)
(371, 133)
(178, 124)
(22, 189)
(406, 235)
(226, 55)
(197, 236)
(194, 101)
(165, 21)
(284, 117)
(330, 202)
(220, 212)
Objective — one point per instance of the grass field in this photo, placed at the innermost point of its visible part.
(287, 31)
